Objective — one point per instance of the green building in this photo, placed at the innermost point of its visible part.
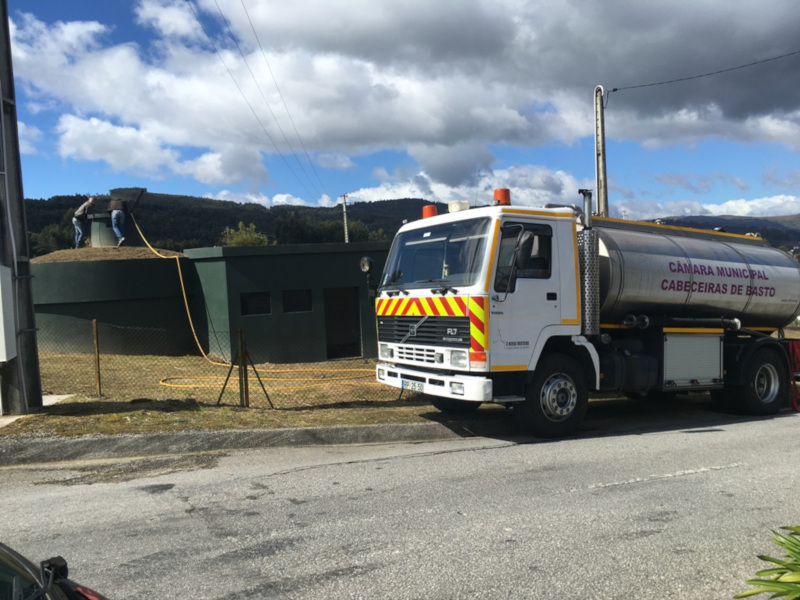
(293, 303)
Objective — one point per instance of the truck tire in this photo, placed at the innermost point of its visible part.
(556, 398)
(766, 383)
(454, 407)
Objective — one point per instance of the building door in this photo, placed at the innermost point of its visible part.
(342, 324)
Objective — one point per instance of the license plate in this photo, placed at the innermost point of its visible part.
(414, 386)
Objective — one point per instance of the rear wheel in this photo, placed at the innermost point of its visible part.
(556, 398)
(766, 383)
(454, 407)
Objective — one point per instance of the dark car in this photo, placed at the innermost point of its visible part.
(20, 579)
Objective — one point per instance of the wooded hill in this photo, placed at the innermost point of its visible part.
(175, 222)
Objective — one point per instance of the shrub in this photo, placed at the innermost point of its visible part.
(783, 580)
(244, 236)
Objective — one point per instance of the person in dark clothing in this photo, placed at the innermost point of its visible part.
(119, 210)
(81, 219)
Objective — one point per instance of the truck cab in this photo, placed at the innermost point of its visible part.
(468, 302)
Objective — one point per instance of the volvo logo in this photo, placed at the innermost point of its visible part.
(412, 329)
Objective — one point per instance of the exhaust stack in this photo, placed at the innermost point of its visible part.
(600, 152)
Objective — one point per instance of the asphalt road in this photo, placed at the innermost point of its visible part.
(678, 506)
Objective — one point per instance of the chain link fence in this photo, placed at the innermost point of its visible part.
(136, 363)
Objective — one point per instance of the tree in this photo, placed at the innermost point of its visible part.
(244, 236)
(360, 232)
(55, 236)
(291, 228)
(328, 232)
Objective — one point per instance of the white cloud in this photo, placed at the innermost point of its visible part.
(123, 148)
(529, 185)
(284, 199)
(29, 137)
(231, 196)
(453, 165)
(765, 207)
(229, 165)
(773, 206)
(171, 18)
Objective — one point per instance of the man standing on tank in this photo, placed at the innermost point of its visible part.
(80, 219)
(119, 210)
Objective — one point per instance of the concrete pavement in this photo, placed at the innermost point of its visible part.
(47, 400)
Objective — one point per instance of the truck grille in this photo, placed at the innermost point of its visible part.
(414, 354)
(433, 331)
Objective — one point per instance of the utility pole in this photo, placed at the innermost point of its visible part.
(20, 383)
(344, 215)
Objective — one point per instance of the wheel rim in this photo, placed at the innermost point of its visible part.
(559, 397)
(766, 383)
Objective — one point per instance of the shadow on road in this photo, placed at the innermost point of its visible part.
(607, 416)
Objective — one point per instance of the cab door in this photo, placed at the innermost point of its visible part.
(523, 303)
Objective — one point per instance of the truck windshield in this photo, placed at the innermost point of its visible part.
(448, 254)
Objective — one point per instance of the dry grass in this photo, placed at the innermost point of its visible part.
(159, 393)
(141, 394)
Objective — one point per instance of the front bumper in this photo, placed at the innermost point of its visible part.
(470, 388)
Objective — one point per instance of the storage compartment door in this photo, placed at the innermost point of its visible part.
(692, 360)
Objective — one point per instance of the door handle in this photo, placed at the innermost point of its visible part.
(552, 296)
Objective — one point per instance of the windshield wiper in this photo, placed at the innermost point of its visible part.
(396, 290)
(443, 288)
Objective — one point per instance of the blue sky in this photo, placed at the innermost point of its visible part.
(302, 102)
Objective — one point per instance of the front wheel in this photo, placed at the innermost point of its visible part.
(766, 383)
(555, 400)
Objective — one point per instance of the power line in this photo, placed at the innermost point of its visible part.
(263, 97)
(283, 100)
(241, 92)
(752, 64)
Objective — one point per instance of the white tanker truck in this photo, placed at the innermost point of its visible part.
(536, 307)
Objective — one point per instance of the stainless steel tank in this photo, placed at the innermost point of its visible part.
(656, 274)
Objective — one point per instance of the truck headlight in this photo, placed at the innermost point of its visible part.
(458, 359)
(385, 352)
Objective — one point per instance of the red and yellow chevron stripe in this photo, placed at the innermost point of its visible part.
(477, 323)
(473, 307)
(452, 306)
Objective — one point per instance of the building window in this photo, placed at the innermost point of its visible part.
(255, 303)
(296, 301)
